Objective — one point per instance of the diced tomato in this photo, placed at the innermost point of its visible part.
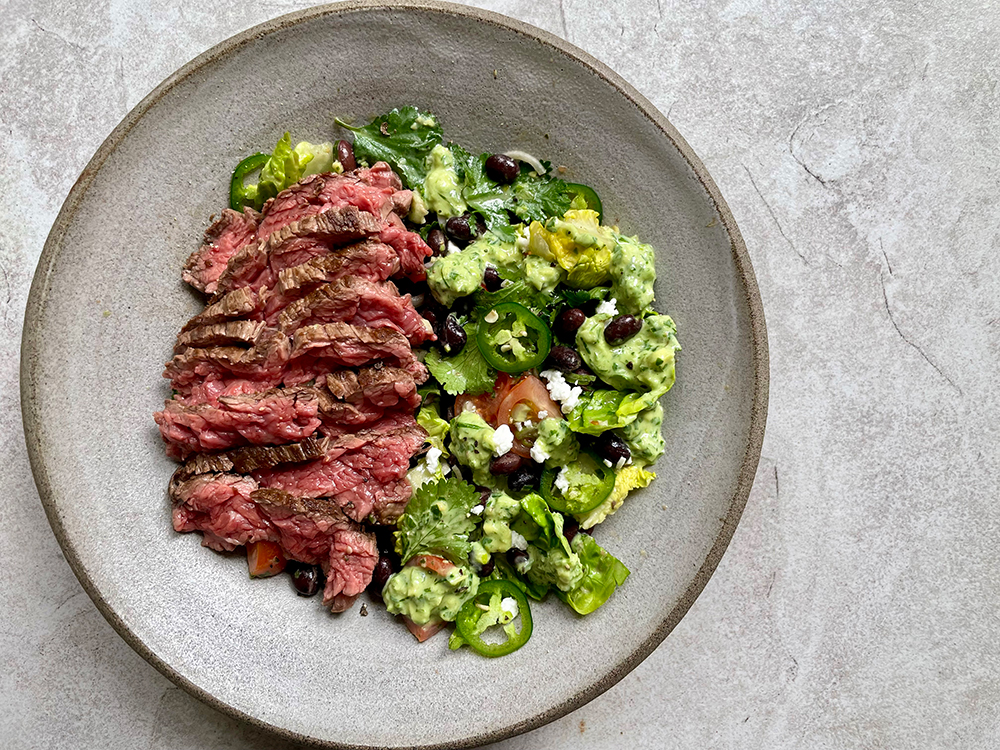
(264, 559)
(530, 391)
(423, 632)
(486, 404)
(432, 563)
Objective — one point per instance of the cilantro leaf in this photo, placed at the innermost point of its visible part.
(481, 194)
(580, 297)
(403, 138)
(517, 290)
(437, 521)
(540, 197)
(466, 372)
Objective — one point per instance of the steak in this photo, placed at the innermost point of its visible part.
(371, 190)
(223, 240)
(239, 303)
(264, 363)
(409, 246)
(356, 398)
(364, 472)
(257, 265)
(371, 260)
(360, 303)
(219, 506)
(318, 349)
(269, 418)
(228, 333)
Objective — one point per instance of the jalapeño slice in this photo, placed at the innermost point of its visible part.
(237, 190)
(589, 197)
(485, 610)
(512, 338)
(590, 483)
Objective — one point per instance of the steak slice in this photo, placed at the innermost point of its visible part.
(269, 418)
(264, 363)
(252, 457)
(360, 303)
(317, 531)
(365, 472)
(220, 506)
(223, 240)
(229, 333)
(239, 303)
(409, 246)
(257, 265)
(373, 190)
(319, 349)
(370, 259)
(364, 396)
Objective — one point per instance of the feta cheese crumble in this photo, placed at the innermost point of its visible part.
(542, 415)
(517, 541)
(432, 459)
(503, 439)
(509, 606)
(538, 454)
(562, 481)
(608, 307)
(567, 395)
(477, 510)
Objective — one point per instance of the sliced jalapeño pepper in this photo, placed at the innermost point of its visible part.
(486, 610)
(594, 481)
(238, 197)
(587, 194)
(512, 338)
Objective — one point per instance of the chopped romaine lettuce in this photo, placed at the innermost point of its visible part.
(316, 158)
(599, 411)
(603, 573)
(627, 479)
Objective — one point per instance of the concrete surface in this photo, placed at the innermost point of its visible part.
(857, 144)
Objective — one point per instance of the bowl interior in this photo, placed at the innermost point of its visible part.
(108, 302)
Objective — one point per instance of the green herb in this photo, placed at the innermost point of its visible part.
(466, 372)
(599, 411)
(403, 138)
(437, 521)
(538, 198)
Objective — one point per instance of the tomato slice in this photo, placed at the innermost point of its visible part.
(264, 559)
(423, 632)
(432, 563)
(530, 392)
(486, 404)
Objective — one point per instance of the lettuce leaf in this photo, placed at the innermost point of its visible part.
(603, 573)
(627, 479)
(316, 158)
(599, 411)
(404, 138)
(466, 372)
(284, 168)
(437, 521)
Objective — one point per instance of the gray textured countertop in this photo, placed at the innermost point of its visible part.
(857, 145)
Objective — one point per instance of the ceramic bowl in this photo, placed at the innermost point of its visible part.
(107, 301)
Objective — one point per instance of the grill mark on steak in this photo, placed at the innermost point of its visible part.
(409, 246)
(320, 348)
(263, 362)
(230, 233)
(229, 333)
(358, 302)
(256, 265)
(239, 303)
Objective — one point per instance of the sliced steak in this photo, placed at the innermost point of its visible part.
(409, 246)
(371, 190)
(257, 265)
(223, 240)
(317, 531)
(220, 506)
(360, 303)
(364, 396)
(370, 259)
(229, 333)
(239, 303)
(364, 472)
(263, 363)
(319, 349)
(269, 418)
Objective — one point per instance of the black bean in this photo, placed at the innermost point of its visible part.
(621, 329)
(485, 570)
(525, 478)
(501, 168)
(570, 527)
(480, 225)
(436, 241)
(516, 556)
(432, 316)
(491, 279)
(506, 464)
(383, 569)
(459, 230)
(305, 578)
(447, 407)
(452, 336)
(345, 155)
(565, 358)
(612, 448)
(568, 322)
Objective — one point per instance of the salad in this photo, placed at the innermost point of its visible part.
(542, 410)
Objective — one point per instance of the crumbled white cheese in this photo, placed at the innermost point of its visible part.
(492, 316)
(517, 541)
(468, 406)
(568, 396)
(608, 463)
(538, 454)
(452, 248)
(503, 439)
(542, 415)
(562, 481)
(623, 462)
(478, 510)
(522, 239)
(432, 459)
(509, 605)
(608, 307)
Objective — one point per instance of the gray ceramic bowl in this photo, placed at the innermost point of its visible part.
(107, 301)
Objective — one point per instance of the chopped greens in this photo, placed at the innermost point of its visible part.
(437, 521)
(404, 138)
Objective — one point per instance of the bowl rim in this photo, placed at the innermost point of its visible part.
(30, 342)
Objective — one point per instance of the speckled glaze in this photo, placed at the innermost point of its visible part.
(107, 300)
